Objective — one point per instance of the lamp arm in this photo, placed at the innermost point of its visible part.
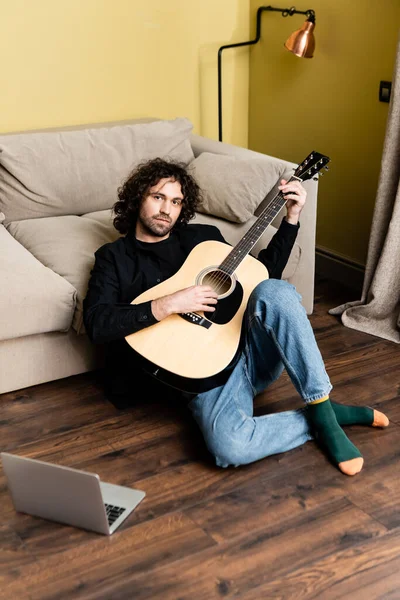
(286, 12)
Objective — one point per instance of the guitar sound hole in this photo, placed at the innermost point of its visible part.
(218, 280)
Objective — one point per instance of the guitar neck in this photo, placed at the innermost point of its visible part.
(249, 240)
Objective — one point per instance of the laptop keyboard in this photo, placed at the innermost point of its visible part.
(113, 512)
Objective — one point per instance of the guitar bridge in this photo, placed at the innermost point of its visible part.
(196, 319)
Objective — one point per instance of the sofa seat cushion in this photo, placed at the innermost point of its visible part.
(34, 299)
(52, 173)
(233, 233)
(66, 245)
(102, 216)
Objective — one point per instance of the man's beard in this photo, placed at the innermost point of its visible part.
(158, 228)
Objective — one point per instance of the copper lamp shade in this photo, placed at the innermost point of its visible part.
(302, 42)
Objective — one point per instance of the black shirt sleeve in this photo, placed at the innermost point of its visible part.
(105, 317)
(276, 255)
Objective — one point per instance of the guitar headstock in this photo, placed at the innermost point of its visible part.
(311, 165)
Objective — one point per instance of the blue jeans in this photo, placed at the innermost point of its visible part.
(277, 335)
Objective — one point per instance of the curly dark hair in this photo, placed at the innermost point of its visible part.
(147, 174)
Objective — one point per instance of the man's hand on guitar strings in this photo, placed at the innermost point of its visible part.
(295, 196)
(192, 299)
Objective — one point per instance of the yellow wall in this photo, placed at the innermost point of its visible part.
(65, 62)
(330, 104)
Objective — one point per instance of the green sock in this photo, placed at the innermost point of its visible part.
(353, 415)
(329, 433)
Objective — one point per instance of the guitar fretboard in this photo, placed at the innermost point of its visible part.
(249, 240)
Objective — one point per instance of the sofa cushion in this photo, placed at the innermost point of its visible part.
(67, 246)
(74, 172)
(233, 187)
(36, 300)
(102, 216)
(234, 232)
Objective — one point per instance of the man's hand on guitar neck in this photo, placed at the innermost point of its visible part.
(192, 299)
(295, 196)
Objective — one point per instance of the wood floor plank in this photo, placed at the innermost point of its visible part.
(290, 526)
(278, 503)
(379, 494)
(67, 448)
(275, 506)
(391, 406)
(126, 425)
(13, 555)
(32, 415)
(190, 484)
(134, 552)
(233, 568)
(338, 340)
(370, 571)
(378, 358)
(141, 459)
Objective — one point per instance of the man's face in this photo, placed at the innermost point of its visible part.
(159, 211)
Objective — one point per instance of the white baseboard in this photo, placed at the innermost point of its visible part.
(337, 268)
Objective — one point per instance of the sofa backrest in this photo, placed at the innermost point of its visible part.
(75, 171)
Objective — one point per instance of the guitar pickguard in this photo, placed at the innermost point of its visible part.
(225, 310)
(227, 306)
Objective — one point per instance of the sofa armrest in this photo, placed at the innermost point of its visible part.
(303, 278)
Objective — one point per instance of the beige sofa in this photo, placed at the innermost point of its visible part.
(57, 189)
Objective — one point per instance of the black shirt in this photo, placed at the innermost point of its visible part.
(125, 268)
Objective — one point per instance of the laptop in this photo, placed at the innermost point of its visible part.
(66, 495)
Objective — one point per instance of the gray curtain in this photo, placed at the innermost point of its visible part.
(378, 311)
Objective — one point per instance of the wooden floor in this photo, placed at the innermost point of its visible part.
(289, 526)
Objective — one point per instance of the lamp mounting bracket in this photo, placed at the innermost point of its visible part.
(289, 12)
(285, 12)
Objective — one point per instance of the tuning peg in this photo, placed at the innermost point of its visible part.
(315, 178)
(326, 168)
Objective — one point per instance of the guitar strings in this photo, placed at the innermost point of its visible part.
(248, 240)
(218, 279)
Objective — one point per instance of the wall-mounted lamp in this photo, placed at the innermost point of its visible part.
(301, 43)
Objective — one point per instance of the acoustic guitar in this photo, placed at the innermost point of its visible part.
(190, 351)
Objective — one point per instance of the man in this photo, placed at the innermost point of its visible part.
(156, 203)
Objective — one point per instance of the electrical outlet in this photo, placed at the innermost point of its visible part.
(385, 87)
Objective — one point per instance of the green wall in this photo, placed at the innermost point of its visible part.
(330, 104)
